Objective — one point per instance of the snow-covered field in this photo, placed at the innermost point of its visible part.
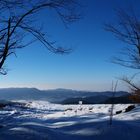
(40, 120)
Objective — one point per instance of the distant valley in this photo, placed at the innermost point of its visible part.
(63, 96)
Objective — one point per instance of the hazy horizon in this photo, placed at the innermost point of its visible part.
(60, 88)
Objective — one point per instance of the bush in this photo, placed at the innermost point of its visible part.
(118, 112)
(135, 96)
(129, 108)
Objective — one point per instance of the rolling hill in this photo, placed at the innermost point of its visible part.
(56, 95)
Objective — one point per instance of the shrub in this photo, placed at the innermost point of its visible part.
(129, 108)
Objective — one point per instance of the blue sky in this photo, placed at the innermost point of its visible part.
(87, 67)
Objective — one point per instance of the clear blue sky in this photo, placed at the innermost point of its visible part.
(87, 68)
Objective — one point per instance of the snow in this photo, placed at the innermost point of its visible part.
(41, 120)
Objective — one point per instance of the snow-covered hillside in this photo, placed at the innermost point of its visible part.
(40, 120)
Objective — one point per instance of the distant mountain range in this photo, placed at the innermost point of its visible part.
(99, 100)
(64, 96)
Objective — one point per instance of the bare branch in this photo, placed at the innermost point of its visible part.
(128, 31)
(21, 24)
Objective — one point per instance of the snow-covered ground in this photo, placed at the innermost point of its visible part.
(40, 120)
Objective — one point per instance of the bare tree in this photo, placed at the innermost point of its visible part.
(18, 21)
(127, 29)
(134, 86)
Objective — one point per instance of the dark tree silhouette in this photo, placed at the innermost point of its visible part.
(18, 21)
(134, 86)
(127, 29)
